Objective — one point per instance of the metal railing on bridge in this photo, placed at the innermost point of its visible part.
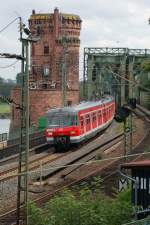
(3, 137)
(3, 140)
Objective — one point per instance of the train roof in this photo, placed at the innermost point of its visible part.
(82, 106)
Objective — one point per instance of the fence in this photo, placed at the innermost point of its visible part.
(145, 221)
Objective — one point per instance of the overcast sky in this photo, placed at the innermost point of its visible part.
(105, 23)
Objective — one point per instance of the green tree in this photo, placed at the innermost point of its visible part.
(121, 210)
(84, 207)
(145, 77)
(6, 86)
(146, 65)
(36, 215)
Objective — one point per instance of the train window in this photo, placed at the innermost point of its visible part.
(87, 119)
(107, 111)
(99, 114)
(104, 112)
(81, 121)
(94, 116)
(61, 120)
(110, 110)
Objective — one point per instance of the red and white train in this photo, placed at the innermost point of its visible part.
(73, 124)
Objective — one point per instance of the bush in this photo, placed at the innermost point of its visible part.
(88, 207)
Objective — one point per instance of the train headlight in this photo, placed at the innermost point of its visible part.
(49, 130)
(72, 132)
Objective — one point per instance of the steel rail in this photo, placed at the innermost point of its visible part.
(12, 149)
(8, 216)
(44, 160)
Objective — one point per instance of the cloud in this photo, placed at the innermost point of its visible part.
(105, 23)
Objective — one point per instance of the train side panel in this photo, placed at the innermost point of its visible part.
(90, 120)
(95, 119)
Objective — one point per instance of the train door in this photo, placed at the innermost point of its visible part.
(104, 115)
(87, 123)
(99, 117)
(81, 122)
(110, 111)
(107, 114)
(94, 121)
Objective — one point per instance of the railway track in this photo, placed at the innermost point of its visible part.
(105, 171)
(33, 164)
(143, 113)
(66, 168)
(32, 151)
(69, 164)
(12, 147)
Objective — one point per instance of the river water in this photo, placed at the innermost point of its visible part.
(4, 125)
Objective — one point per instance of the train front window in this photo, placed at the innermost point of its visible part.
(61, 120)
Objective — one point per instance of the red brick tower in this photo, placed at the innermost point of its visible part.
(59, 39)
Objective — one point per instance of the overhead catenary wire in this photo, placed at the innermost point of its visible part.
(130, 81)
(4, 28)
(8, 66)
(59, 166)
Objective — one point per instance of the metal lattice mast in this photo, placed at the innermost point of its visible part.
(128, 130)
(128, 133)
(84, 76)
(22, 195)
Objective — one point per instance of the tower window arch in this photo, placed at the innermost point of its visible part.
(46, 49)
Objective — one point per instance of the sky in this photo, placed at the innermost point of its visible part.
(105, 23)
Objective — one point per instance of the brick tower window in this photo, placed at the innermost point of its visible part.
(46, 71)
(38, 30)
(46, 50)
(44, 86)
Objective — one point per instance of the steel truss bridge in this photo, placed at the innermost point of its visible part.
(106, 68)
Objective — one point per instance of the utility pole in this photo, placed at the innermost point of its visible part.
(128, 134)
(22, 194)
(63, 70)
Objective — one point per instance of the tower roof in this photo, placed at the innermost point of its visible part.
(41, 16)
(49, 15)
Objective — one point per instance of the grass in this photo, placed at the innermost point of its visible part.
(4, 108)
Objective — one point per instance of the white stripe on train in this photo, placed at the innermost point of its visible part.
(91, 133)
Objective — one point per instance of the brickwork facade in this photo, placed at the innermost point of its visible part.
(58, 45)
(59, 38)
(40, 102)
